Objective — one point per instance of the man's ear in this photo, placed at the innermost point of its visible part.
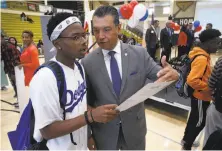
(119, 28)
(56, 43)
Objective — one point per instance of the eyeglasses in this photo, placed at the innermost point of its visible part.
(78, 37)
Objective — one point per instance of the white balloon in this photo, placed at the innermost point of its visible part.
(133, 22)
(139, 11)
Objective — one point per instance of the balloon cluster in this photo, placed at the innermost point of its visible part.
(197, 26)
(175, 26)
(133, 11)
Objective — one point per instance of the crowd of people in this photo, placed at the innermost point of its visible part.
(24, 17)
(12, 55)
(209, 42)
(166, 40)
(105, 78)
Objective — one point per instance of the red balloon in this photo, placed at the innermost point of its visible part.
(126, 11)
(199, 28)
(177, 27)
(133, 3)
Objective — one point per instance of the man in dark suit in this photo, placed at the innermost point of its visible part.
(166, 40)
(209, 26)
(114, 72)
(152, 39)
(190, 36)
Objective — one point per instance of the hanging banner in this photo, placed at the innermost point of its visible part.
(183, 21)
(32, 7)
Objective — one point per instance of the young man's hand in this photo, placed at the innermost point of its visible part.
(91, 144)
(105, 113)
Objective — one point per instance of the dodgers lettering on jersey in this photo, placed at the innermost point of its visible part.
(76, 96)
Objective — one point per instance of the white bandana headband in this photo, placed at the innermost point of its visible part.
(62, 26)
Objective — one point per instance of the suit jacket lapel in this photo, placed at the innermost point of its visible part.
(152, 27)
(104, 71)
(125, 64)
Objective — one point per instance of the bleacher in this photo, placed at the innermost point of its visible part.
(13, 26)
(130, 34)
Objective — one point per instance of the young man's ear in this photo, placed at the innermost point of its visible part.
(119, 28)
(56, 44)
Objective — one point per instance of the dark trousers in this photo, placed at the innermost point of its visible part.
(13, 82)
(122, 145)
(182, 50)
(196, 121)
(152, 52)
(189, 48)
(166, 52)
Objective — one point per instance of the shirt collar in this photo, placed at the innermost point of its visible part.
(117, 49)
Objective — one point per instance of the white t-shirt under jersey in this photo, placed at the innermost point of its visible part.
(45, 99)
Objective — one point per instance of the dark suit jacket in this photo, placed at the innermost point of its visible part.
(137, 66)
(190, 37)
(151, 38)
(165, 38)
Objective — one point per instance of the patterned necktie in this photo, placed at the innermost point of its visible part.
(115, 74)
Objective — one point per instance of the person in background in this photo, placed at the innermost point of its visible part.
(29, 57)
(30, 20)
(209, 26)
(13, 41)
(214, 117)
(170, 17)
(198, 80)
(152, 39)
(50, 13)
(123, 38)
(190, 36)
(166, 40)
(11, 58)
(23, 16)
(46, 13)
(131, 41)
(182, 41)
(40, 46)
(4, 80)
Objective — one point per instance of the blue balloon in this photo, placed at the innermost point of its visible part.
(196, 23)
(145, 16)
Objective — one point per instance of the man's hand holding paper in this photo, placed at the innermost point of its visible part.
(166, 76)
(147, 91)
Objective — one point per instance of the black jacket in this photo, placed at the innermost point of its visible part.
(151, 38)
(165, 38)
(190, 37)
